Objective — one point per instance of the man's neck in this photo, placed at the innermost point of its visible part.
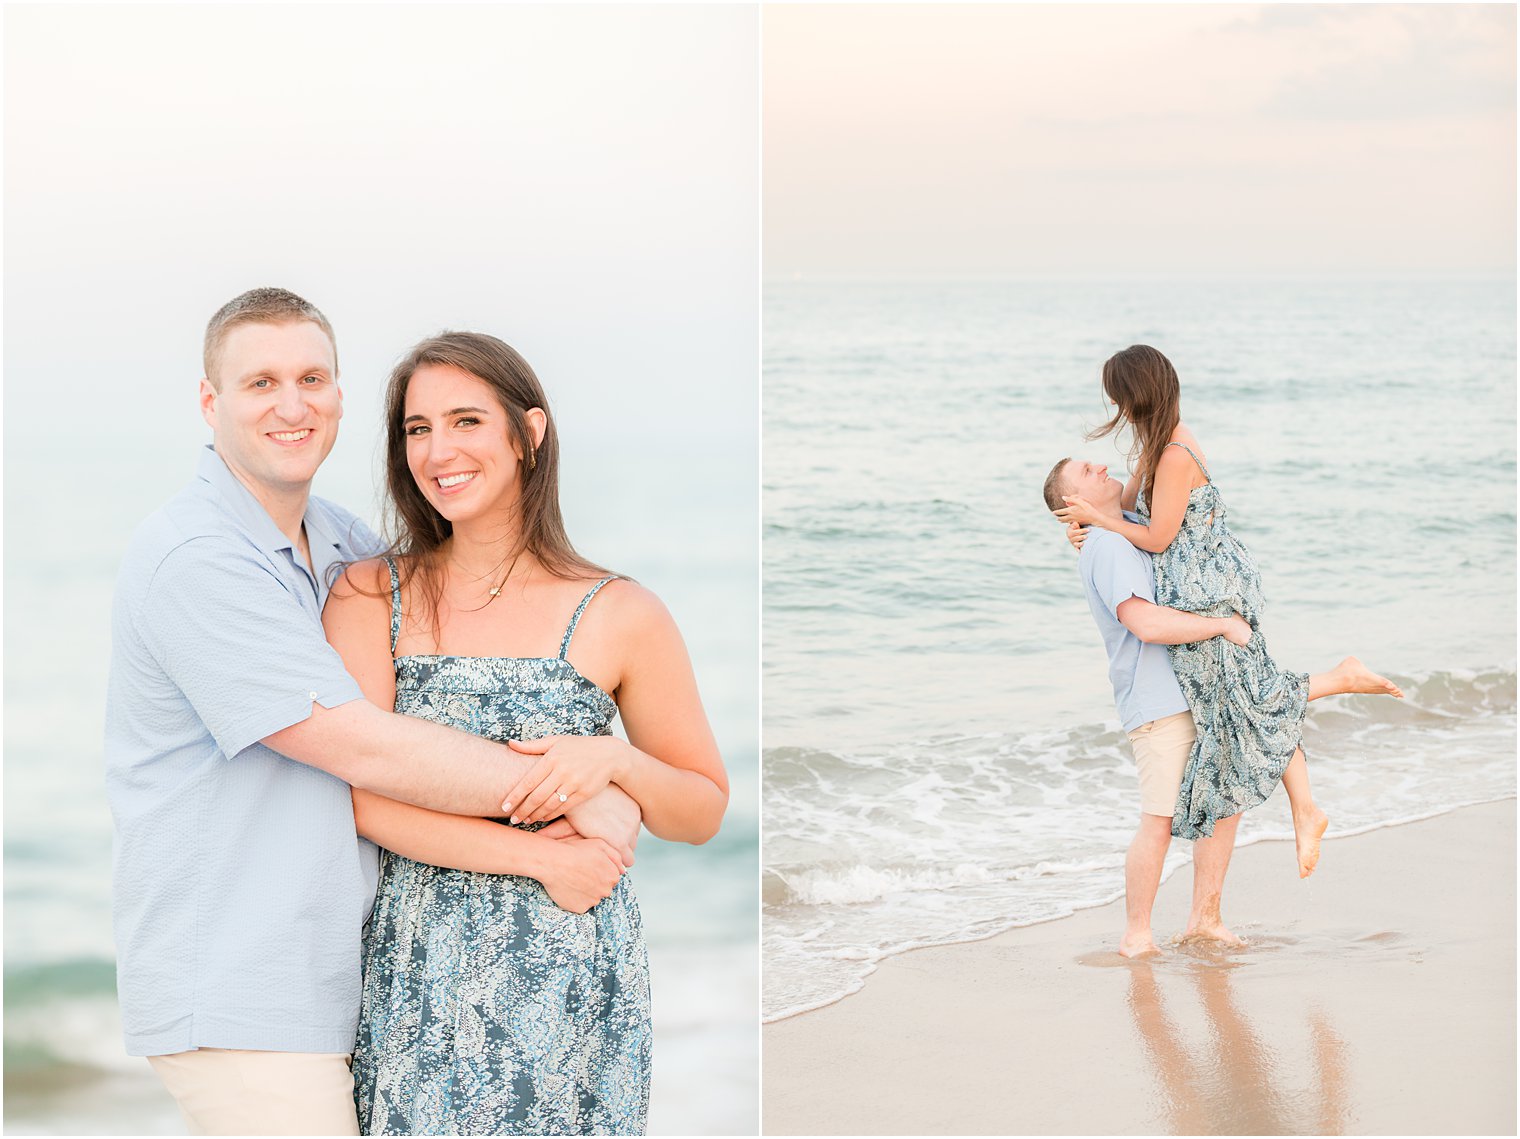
(1112, 513)
(286, 508)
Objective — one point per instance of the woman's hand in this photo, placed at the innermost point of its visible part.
(1076, 534)
(571, 770)
(1081, 512)
(581, 873)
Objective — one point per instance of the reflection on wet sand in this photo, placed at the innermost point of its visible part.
(1233, 1082)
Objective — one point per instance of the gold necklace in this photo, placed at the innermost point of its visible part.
(500, 586)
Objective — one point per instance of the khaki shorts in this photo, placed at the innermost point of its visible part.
(229, 1091)
(1161, 750)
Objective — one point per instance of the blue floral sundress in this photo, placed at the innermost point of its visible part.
(487, 1009)
(1249, 713)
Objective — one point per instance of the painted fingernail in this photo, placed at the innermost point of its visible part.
(514, 820)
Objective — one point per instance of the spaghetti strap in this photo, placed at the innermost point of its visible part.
(395, 602)
(564, 645)
(1206, 476)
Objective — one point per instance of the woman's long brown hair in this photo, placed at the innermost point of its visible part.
(420, 530)
(1143, 385)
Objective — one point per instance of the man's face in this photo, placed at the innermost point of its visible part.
(1091, 481)
(276, 416)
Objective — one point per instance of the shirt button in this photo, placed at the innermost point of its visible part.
(313, 695)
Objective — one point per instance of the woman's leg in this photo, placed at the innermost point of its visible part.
(1351, 675)
(1309, 822)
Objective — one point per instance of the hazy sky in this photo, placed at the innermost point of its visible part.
(582, 181)
(1036, 139)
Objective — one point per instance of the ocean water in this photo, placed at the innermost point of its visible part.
(942, 759)
(65, 1070)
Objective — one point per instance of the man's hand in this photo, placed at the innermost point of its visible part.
(1237, 630)
(559, 828)
(1076, 534)
(612, 816)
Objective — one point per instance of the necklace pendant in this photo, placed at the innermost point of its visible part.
(495, 591)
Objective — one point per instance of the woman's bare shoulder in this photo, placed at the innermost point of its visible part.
(1182, 433)
(1178, 459)
(361, 580)
(631, 606)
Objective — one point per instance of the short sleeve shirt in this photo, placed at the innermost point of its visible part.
(240, 888)
(1113, 571)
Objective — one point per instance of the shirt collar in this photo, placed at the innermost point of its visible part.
(255, 519)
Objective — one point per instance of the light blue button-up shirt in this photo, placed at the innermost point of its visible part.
(240, 889)
(1113, 571)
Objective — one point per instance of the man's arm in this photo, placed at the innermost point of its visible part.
(402, 757)
(1158, 625)
(415, 761)
(430, 765)
(246, 656)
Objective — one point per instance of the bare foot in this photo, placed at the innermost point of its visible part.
(1357, 677)
(1140, 945)
(1308, 828)
(1212, 931)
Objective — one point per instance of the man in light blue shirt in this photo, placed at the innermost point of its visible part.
(233, 734)
(1121, 592)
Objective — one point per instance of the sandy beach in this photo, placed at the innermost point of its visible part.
(1378, 997)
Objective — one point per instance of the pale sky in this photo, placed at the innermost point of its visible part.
(1138, 139)
(582, 181)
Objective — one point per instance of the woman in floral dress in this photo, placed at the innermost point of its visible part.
(506, 984)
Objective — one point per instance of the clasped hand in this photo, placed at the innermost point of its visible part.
(570, 770)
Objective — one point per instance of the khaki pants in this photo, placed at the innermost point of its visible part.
(228, 1091)
(1161, 750)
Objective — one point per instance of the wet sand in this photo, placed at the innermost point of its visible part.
(1378, 997)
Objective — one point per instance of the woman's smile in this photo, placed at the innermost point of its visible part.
(452, 484)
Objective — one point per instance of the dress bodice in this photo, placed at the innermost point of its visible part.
(1206, 569)
(501, 698)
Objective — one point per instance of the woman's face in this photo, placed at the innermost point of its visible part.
(459, 444)
(1110, 404)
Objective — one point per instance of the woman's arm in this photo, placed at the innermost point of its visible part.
(357, 623)
(670, 764)
(1169, 498)
(1131, 495)
(577, 872)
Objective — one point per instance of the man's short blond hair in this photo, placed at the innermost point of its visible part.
(1055, 485)
(259, 306)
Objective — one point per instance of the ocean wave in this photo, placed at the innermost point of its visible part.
(959, 836)
(853, 884)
